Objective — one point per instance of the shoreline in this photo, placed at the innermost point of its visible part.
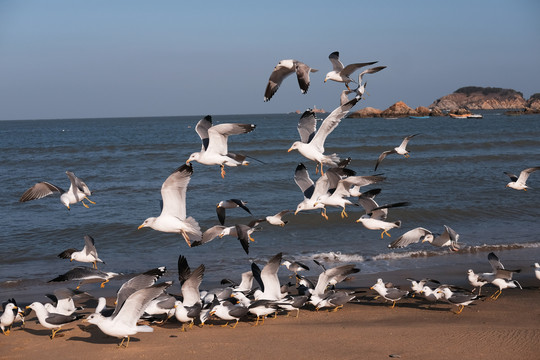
(368, 328)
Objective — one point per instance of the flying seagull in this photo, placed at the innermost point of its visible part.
(88, 254)
(342, 73)
(448, 238)
(214, 149)
(401, 150)
(361, 87)
(311, 144)
(84, 275)
(411, 237)
(173, 213)
(229, 204)
(283, 69)
(78, 191)
(518, 183)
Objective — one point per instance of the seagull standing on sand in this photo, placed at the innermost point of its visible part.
(191, 305)
(51, 320)
(88, 254)
(78, 191)
(8, 317)
(475, 281)
(342, 73)
(389, 293)
(401, 150)
(500, 277)
(459, 299)
(311, 145)
(285, 68)
(124, 323)
(518, 183)
(214, 149)
(173, 213)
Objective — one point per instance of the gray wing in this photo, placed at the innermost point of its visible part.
(304, 182)
(40, 190)
(334, 59)
(382, 156)
(307, 126)
(190, 288)
(524, 175)
(349, 69)
(80, 273)
(136, 283)
(302, 74)
(219, 134)
(372, 70)
(59, 319)
(512, 177)
(243, 236)
(410, 237)
(406, 140)
(395, 294)
(173, 192)
(276, 78)
(202, 130)
(78, 183)
(66, 254)
(210, 234)
(448, 235)
(89, 246)
(136, 303)
(183, 269)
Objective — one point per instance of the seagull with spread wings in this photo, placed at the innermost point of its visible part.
(283, 69)
(401, 150)
(341, 73)
(88, 254)
(173, 213)
(214, 149)
(519, 183)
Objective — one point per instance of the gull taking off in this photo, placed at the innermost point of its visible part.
(88, 254)
(78, 191)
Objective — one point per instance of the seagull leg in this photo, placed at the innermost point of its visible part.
(90, 201)
(495, 294)
(394, 304)
(499, 294)
(6, 332)
(461, 307)
(103, 283)
(384, 232)
(225, 325)
(186, 237)
(86, 206)
(344, 213)
(54, 331)
(322, 172)
(323, 213)
(94, 265)
(250, 238)
(222, 171)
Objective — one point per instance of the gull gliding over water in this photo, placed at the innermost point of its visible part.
(214, 149)
(311, 145)
(342, 73)
(285, 68)
(401, 150)
(78, 191)
(229, 204)
(173, 213)
(519, 183)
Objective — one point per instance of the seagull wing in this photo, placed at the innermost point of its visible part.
(210, 234)
(302, 74)
(173, 192)
(89, 247)
(512, 177)
(524, 175)
(202, 130)
(136, 303)
(304, 182)
(219, 134)
(337, 66)
(307, 126)
(369, 71)
(382, 156)
(240, 204)
(40, 190)
(190, 287)
(272, 288)
(280, 72)
(78, 183)
(410, 237)
(349, 69)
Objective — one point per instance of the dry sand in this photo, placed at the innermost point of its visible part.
(508, 328)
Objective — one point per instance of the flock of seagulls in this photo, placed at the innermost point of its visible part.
(260, 292)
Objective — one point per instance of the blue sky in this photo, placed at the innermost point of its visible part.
(102, 58)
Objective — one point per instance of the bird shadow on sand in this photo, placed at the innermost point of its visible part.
(45, 332)
(97, 337)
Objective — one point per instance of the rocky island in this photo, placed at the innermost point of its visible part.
(463, 100)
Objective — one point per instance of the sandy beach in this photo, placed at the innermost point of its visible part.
(366, 329)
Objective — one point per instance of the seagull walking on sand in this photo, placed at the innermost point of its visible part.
(214, 150)
(389, 293)
(401, 150)
(519, 183)
(173, 213)
(311, 144)
(78, 191)
(124, 323)
(342, 73)
(459, 299)
(475, 281)
(88, 254)
(283, 69)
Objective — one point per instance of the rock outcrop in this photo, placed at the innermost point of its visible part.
(480, 98)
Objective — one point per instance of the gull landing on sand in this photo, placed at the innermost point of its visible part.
(214, 149)
(283, 69)
(78, 191)
(88, 254)
(173, 213)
